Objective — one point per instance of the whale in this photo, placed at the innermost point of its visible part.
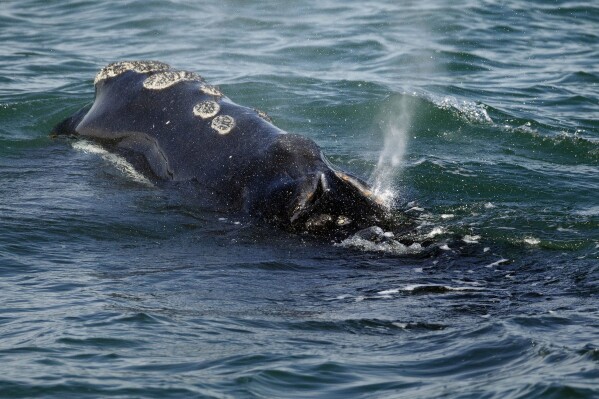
(173, 126)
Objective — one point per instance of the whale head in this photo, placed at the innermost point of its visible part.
(305, 192)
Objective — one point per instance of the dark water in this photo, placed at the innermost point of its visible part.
(110, 287)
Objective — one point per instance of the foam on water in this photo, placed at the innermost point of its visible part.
(468, 110)
(531, 241)
(590, 211)
(119, 162)
(471, 239)
(411, 288)
(375, 239)
(416, 289)
(436, 232)
(497, 263)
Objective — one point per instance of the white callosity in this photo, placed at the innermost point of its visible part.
(263, 115)
(206, 109)
(117, 68)
(161, 76)
(165, 79)
(211, 90)
(223, 124)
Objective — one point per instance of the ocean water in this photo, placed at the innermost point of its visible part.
(483, 119)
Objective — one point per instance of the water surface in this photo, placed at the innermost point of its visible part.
(111, 287)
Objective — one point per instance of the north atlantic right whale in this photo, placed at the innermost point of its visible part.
(173, 126)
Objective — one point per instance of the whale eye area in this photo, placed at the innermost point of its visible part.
(117, 68)
(223, 124)
(165, 79)
(206, 109)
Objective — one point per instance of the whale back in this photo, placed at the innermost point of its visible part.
(163, 114)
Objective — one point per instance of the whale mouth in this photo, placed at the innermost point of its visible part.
(335, 200)
(309, 198)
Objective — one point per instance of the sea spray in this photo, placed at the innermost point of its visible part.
(396, 121)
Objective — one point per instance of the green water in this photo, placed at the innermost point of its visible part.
(110, 287)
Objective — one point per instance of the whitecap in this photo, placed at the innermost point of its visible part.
(375, 239)
(532, 241)
(591, 211)
(497, 263)
(468, 239)
(468, 110)
(389, 292)
(387, 246)
(435, 232)
(437, 288)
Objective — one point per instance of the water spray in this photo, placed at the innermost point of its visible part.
(397, 121)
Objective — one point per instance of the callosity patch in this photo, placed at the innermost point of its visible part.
(165, 79)
(211, 90)
(206, 109)
(223, 124)
(117, 68)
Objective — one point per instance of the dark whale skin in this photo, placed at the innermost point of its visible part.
(251, 166)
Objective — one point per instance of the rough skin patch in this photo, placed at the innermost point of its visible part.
(206, 109)
(263, 115)
(117, 68)
(211, 90)
(167, 79)
(223, 124)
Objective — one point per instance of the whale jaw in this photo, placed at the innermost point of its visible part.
(325, 201)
